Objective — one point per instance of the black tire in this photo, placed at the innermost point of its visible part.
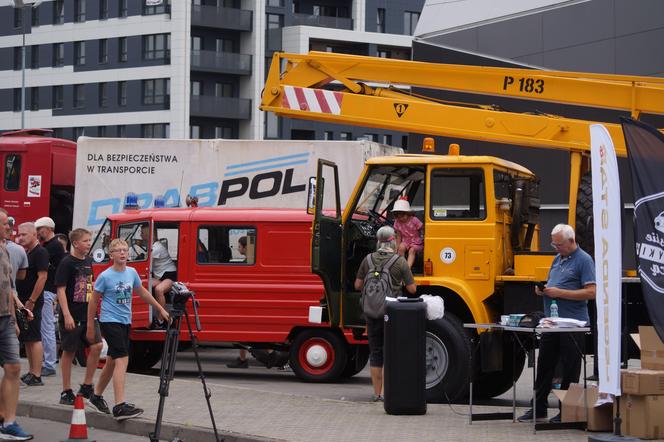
(318, 355)
(488, 385)
(447, 359)
(358, 356)
(585, 236)
(144, 354)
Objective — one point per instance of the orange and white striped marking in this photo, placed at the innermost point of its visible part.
(314, 100)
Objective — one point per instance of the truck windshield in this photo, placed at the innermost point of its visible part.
(385, 185)
(99, 249)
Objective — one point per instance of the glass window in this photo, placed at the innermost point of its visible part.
(162, 8)
(275, 3)
(18, 17)
(103, 94)
(328, 135)
(223, 132)
(275, 21)
(34, 98)
(410, 22)
(79, 95)
(385, 185)
(195, 88)
(196, 43)
(345, 136)
(156, 46)
(58, 97)
(101, 243)
(380, 20)
(34, 57)
(17, 100)
(58, 12)
(79, 53)
(103, 9)
(224, 45)
(122, 93)
(231, 245)
(103, 51)
(387, 139)
(78, 132)
(122, 9)
(18, 58)
(138, 249)
(79, 11)
(155, 91)
(194, 131)
(122, 49)
(12, 172)
(101, 131)
(58, 54)
(35, 16)
(159, 130)
(222, 89)
(457, 194)
(122, 131)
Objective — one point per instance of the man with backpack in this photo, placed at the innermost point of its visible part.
(382, 273)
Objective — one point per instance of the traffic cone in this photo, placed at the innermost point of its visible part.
(78, 431)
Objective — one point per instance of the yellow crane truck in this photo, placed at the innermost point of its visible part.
(480, 213)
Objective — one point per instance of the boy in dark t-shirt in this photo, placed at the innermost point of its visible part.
(73, 280)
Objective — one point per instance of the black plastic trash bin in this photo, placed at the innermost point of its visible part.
(405, 357)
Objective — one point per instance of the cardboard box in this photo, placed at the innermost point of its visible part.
(642, 416)
(652, 349)
(574, 408)
(642, 382)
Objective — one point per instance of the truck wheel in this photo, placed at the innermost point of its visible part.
(358, 356)
(447, 359)
(494, 384)
(144, 354)
(318, 355)
(585, 235)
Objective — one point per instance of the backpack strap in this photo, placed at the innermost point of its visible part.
(388, 265)
(372, 265)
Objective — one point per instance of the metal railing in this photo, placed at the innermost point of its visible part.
(223, 18)
(220, 107)
(322, 21)
(221, 62)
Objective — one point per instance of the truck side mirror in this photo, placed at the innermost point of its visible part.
(311, 196)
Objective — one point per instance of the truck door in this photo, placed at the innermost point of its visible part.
(326, 236)
(138, 234)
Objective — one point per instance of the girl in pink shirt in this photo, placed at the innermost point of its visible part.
(409, 229)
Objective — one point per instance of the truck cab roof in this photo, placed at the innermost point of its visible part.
(424, 159)
(214, 214)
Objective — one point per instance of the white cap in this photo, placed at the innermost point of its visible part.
(401, 205)
(45, 222)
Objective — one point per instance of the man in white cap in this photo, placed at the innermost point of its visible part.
(46, 232)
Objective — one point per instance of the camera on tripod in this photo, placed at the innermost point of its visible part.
(179, 295)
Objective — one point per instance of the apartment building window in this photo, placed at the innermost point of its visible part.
(387, 139)
(79, 11)
(34, 98)
(103, 51)
(224, 45)
(196, 88)
(79, 53)
(103, 9)
(156, 91)
(18, 18)
(275, 21)
(58, 54)
(157, 9)
(331, 11)
(158, 130)
(276, 3)
(410, 22)
(345, 136)
(122, 49)
(18, 58)
(34, 57)
(223, 132)
(58, 97)
(17, 100)
(122, 11)
(224, 89)
(194, 131)
(79, 96)
(122, 131)
(380, 20)
(156, 47)
(122, 93)
(101, 131)
(78, 132)
(58, 12)
(35, 16)
(196, 43)
(103, 94)
(328, 135)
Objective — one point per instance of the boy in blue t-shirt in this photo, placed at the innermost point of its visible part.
(115, 285)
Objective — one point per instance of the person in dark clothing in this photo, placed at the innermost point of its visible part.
(30, 291)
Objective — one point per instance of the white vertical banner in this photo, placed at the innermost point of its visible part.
(608, 257)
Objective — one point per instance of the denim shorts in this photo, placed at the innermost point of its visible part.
(8, 341)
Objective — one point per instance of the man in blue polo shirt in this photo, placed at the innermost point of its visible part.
(571, 284)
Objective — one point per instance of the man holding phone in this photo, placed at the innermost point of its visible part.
(571, 283)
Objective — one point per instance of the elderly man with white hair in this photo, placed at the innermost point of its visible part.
(571, 284)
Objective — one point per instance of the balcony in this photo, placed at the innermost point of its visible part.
(221, 62)
(322, 21)
(222, 18)
(220, 107)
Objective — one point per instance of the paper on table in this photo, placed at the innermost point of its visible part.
(561, 322)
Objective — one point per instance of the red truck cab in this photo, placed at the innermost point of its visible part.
(38, 174)
(260, 299)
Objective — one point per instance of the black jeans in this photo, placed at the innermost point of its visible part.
(554, 347)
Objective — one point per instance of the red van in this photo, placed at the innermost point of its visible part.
(259, 299)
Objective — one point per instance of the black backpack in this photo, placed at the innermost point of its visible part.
(377, 286)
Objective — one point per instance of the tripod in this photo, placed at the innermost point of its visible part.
(180, 294)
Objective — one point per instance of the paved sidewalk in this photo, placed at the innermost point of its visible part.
(250, 415)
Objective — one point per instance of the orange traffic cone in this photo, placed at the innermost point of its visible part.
(78, 431)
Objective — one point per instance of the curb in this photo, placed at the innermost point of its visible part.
(137, 427)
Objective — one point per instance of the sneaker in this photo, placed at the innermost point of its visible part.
(528, 416)
(67, 397)
(86, 390)
(555, 419)
(377, 398)
(25, 376)
(14, 432)
(238, 363)
(125, 411)
(97, 403)
(45, 371)
(32, 380)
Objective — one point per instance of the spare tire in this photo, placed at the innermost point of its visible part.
(584, 215)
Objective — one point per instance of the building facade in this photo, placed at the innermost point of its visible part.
(179, 69)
